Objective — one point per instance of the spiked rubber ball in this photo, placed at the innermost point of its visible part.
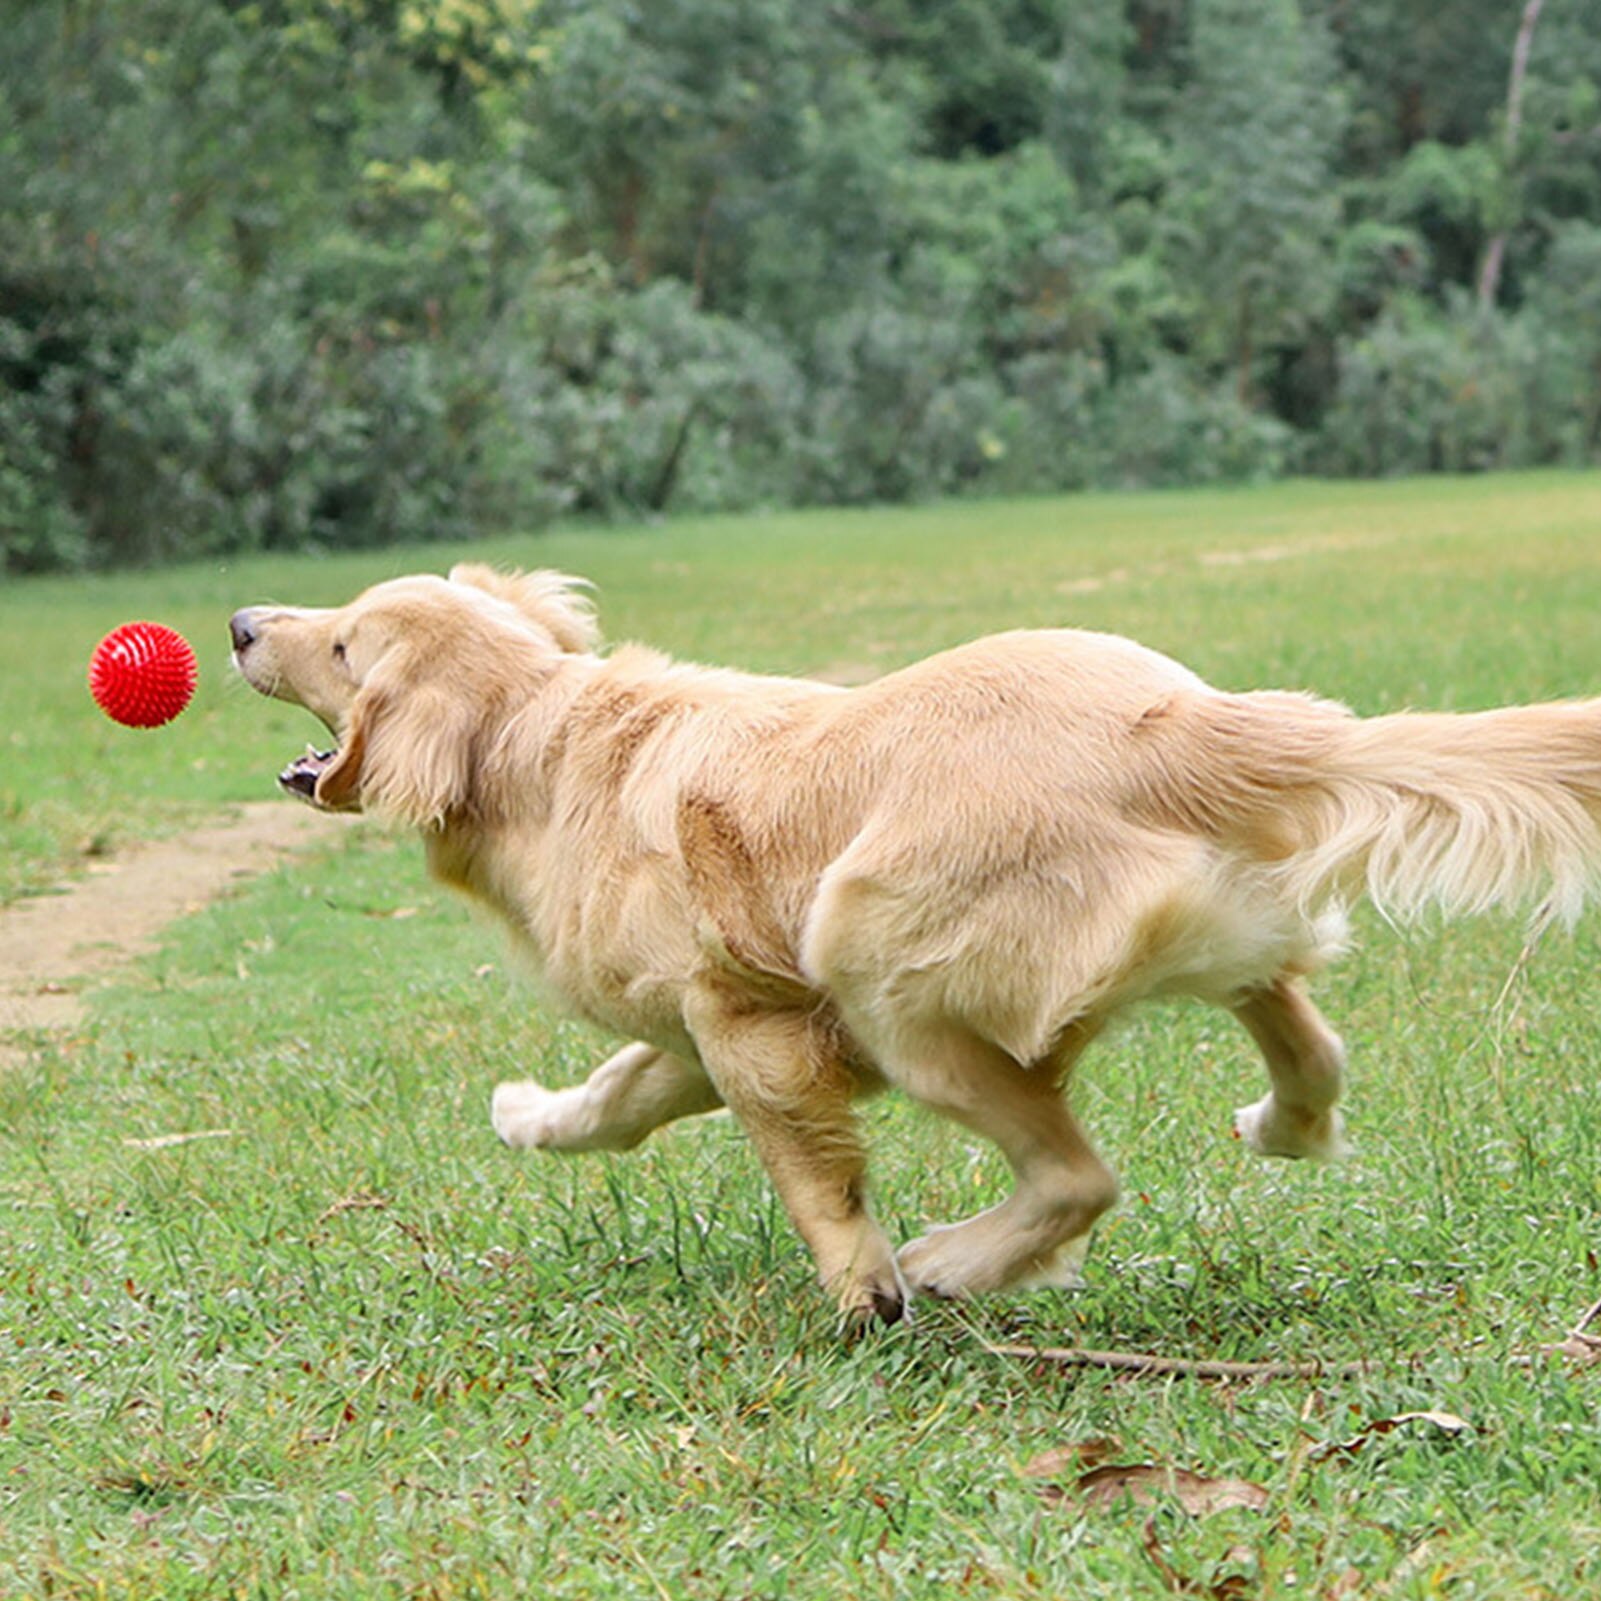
(142, 674)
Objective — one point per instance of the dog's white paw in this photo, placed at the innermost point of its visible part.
(524, 1115)
(945, 1263)
(1063, 1270)
(1273, 1130)
(972, 1258)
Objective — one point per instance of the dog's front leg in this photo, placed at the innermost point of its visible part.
(782, 1076)
(622, 1101)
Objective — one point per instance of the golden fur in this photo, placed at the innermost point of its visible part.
(948, 880)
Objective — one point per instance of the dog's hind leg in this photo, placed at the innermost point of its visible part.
(1306, 1063)
(784, 1078)
(622, 1101)
(1039, 1234)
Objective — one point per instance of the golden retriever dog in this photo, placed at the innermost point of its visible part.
(790, 894)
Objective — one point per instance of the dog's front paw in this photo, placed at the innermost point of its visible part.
(1271, 1129)
(871, 1297)
(1063, 1269)
(956, 1260)
(523, 1115)
(949, 1263)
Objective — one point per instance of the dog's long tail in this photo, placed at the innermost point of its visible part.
(1459, 811)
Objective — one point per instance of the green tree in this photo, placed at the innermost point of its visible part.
(275, 272)
(1256, 140)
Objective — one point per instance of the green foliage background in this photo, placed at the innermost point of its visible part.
(345, 272)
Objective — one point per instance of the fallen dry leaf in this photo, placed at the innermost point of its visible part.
(1446, 1422)
(160, 1142)
(1150, 1483)
(1077, 1458)
(1419, 1557)
(1350, 1581)
(1583, 1350)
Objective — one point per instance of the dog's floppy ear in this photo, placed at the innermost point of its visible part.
(550, 599)
(406, 755)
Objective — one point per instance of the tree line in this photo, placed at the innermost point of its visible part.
(289, 273)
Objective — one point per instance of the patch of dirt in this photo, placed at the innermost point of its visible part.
(1246, 556)
(53, 947)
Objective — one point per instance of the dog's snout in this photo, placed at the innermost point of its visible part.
(242, 626)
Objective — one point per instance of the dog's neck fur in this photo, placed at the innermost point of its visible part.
(514, 779)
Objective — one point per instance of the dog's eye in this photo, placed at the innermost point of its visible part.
(339, 653)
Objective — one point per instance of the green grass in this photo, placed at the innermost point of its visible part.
(357, 1349)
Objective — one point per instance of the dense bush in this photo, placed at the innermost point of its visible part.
(1422, 391)
(338, 272)
(614, 401)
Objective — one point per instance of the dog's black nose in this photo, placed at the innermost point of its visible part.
(242, 626)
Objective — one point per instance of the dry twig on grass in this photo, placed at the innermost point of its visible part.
(1178, 1366)
(1580, 1346)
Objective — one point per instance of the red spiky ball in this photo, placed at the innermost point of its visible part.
(142, 674)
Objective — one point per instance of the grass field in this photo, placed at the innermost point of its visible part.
(357, 1349)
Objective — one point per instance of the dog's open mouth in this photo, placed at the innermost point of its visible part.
(301, 775)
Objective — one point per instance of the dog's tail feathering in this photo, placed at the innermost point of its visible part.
(1456, 811)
